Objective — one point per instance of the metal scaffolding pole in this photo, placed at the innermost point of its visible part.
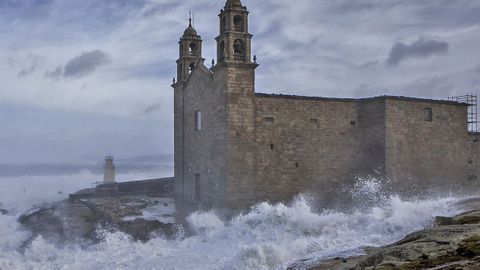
(472, 119)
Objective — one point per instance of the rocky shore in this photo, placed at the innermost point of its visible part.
(451, 243)
(83, 220)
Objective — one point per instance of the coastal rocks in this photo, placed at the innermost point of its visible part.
(143, 230)
(61, 222)
(451, 243)
(79, 221)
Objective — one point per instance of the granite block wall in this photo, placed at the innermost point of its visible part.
(258, 147)
(204, 151)
(425, 152)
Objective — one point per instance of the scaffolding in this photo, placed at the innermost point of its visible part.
(471, 100)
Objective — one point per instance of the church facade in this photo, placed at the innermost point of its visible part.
(235, 147)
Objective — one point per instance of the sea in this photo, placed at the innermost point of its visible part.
(267, 236)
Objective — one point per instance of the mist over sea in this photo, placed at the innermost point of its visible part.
(268, 236)
(27, 185)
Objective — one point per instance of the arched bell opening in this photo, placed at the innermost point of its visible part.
(221, 51)
(191, 67)
(238, 24)
(239, 50)
(192, 49)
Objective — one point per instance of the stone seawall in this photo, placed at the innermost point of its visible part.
(161, 186)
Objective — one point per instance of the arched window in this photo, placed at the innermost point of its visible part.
(238, 23)
(221, 51)
(238, 50)
(223, 25)
(192, 49)
(191, 67)
(180, 71)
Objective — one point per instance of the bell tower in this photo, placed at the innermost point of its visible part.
(190, 52)
(234, 41)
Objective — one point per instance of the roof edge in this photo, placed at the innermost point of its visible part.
(383, 97)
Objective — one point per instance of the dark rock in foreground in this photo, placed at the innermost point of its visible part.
(3, 211)
(451, 243)
(80, 220)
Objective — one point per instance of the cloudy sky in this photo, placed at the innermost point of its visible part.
(81, 77)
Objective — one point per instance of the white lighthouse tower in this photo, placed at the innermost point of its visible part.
(109, 170)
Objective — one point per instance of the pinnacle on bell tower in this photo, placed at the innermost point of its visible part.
(190, 52)
(234, 41)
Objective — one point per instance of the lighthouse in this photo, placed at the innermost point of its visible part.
(109, 170)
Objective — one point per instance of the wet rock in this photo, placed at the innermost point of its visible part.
(443, 221)
(452, 243)
(79, 220)
(61, 222)
(143, 230)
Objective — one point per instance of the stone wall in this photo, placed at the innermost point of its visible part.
(241, 150)
(371, 137)
(204, 150)
(427, 154)
(473, 145)
(178, 138)
(304, 145)
(317, 145)
(257, 147)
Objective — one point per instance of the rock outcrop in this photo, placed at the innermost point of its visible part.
(84, 220)
(450, 243)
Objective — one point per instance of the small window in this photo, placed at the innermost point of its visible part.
(269, 119)
(313, 120)
(198, 120)
(297, 165)
(353, 123)
(272, 146)
(427, 113)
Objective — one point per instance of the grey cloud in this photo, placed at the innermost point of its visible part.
(55, 74)
(158, 9)
(367, 90)
(10, 61)
(477, 69)
(418, 49)
(447, 13)
(369, 64)
(351, 6)
(429, 87)
(28, 71)
(34, 59)
(85, 64)
(152, 108)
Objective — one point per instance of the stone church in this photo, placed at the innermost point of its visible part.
(235, 147)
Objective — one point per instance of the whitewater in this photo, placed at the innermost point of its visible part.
(268, 236)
